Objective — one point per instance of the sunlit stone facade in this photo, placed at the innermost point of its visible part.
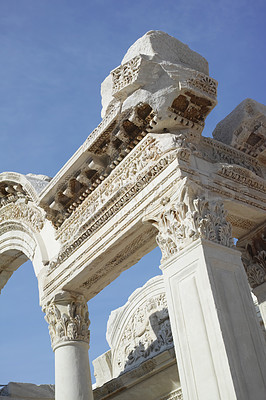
(146, 176)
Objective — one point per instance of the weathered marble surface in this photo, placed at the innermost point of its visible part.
(245, 128)
(24, 391)
(136, 332)
(147, 176)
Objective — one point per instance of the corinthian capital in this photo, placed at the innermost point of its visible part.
(189, 217)
(254, 257)
(68, 319)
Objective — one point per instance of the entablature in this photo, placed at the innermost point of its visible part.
(106, 235)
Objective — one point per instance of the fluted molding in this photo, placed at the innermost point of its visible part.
(68, 319)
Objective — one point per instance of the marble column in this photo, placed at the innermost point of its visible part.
(219, 344)
(68, 319)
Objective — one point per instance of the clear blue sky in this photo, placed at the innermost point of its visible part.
(54, 55)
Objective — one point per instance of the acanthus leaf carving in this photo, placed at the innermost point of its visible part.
(189, 218)
(68, 320)
(254, 258)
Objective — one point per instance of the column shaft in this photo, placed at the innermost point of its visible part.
(72, 372)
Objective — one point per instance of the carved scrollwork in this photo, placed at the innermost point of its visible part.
(254, 259)
(27, 213)
(189, 218)
(68, 320)
(126, 74)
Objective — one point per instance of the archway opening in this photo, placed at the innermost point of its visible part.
(116, 295)
(25, 347)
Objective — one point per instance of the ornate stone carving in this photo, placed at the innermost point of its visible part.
(110, 143)
(189, 218)
(144, 327)
(243, 176)
(13, 197)
(175, 395)
(147, 333)
(245, 128)
(204, 83)
(254, 258)
(149, 159)
(125, 74)
(27, 213)
(68, 319)
(219, 152)
(243, 224)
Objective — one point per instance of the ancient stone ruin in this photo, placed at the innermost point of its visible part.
(147, 177)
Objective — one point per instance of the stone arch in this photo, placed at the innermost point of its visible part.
(21, 224)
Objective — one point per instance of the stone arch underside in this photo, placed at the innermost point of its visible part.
(17, 245)
(21, 223)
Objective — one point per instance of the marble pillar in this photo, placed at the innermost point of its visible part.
(68, 319)
(219, 344)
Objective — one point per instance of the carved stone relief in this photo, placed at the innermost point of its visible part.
(127, 180)
(144, 327)
(125, 74)
(147, 333)
(188, 218)
(68, 319)
(245, 128)
(218, 152)
(27, 213)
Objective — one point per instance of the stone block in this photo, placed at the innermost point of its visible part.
(29, 391)
(158, 46)
(244, 128)
(165, 74)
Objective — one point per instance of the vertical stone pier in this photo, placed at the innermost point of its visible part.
(219, 343)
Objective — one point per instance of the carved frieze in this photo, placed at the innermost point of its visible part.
(68, 319)
(218, 152)
(112, 140)
(243, 176)
(124, 183)
(204, 83)
(125, 74)
(27, 213)
(188, 218)
(242, 223)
